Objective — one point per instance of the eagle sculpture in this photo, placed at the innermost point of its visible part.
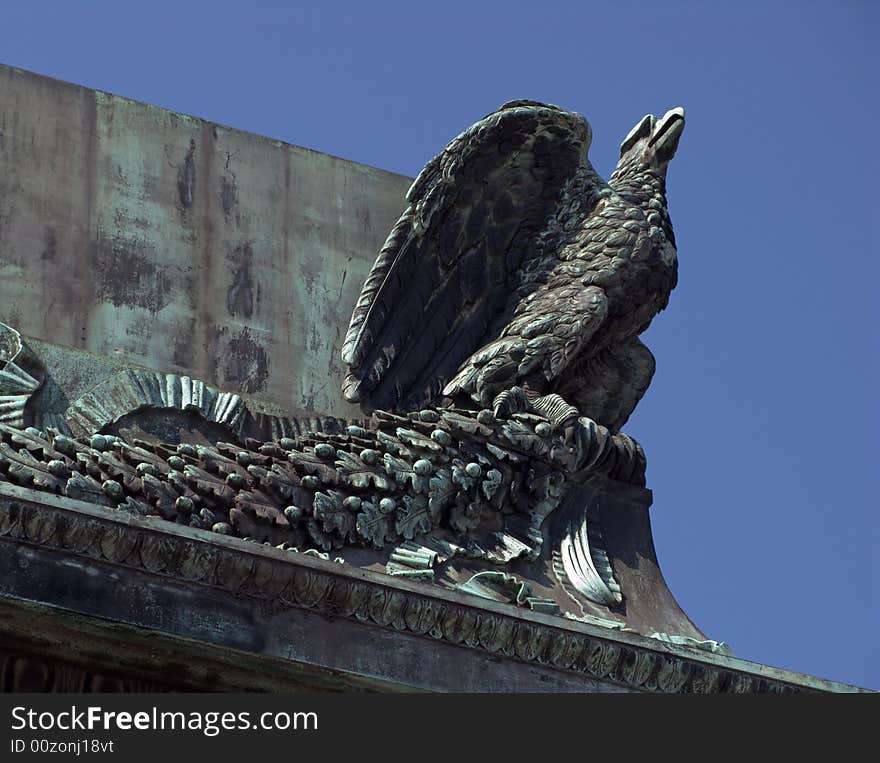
(517, 278)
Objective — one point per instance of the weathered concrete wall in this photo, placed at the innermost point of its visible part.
(173, 243)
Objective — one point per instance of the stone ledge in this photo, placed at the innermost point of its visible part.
(75, 652)
(223, 593)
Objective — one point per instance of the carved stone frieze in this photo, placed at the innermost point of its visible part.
(283, 581)
(480, 486)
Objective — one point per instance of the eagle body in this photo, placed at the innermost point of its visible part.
(516, 265)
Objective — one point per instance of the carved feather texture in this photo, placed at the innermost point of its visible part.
(516, 264)
(457, 252)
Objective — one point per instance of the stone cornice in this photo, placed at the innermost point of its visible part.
(283, 580)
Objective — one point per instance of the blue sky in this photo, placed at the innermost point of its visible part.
(761, 424)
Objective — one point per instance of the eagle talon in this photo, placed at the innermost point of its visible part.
(510, 401)
(569, 428)
(554, 408)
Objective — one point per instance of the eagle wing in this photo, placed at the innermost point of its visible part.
(452, 264)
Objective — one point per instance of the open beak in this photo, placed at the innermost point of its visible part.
(668, 130)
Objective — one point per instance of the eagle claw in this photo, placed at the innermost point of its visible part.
(561, 416)
(510, 401)
(569, 429)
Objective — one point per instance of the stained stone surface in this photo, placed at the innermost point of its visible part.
(182, 246)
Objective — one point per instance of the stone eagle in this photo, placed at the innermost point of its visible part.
(517, 278)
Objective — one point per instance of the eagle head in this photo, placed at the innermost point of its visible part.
(652, 142)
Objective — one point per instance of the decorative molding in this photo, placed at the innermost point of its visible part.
(282, 581)
(709, 645)
(480, 486)
(412, 560)
(500, 586)
(24, 672)
(137, 389)
(582, 562)
(134, 390)
(17, 383)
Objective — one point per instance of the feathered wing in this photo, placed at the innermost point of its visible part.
(548, 332)
(449, 268)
